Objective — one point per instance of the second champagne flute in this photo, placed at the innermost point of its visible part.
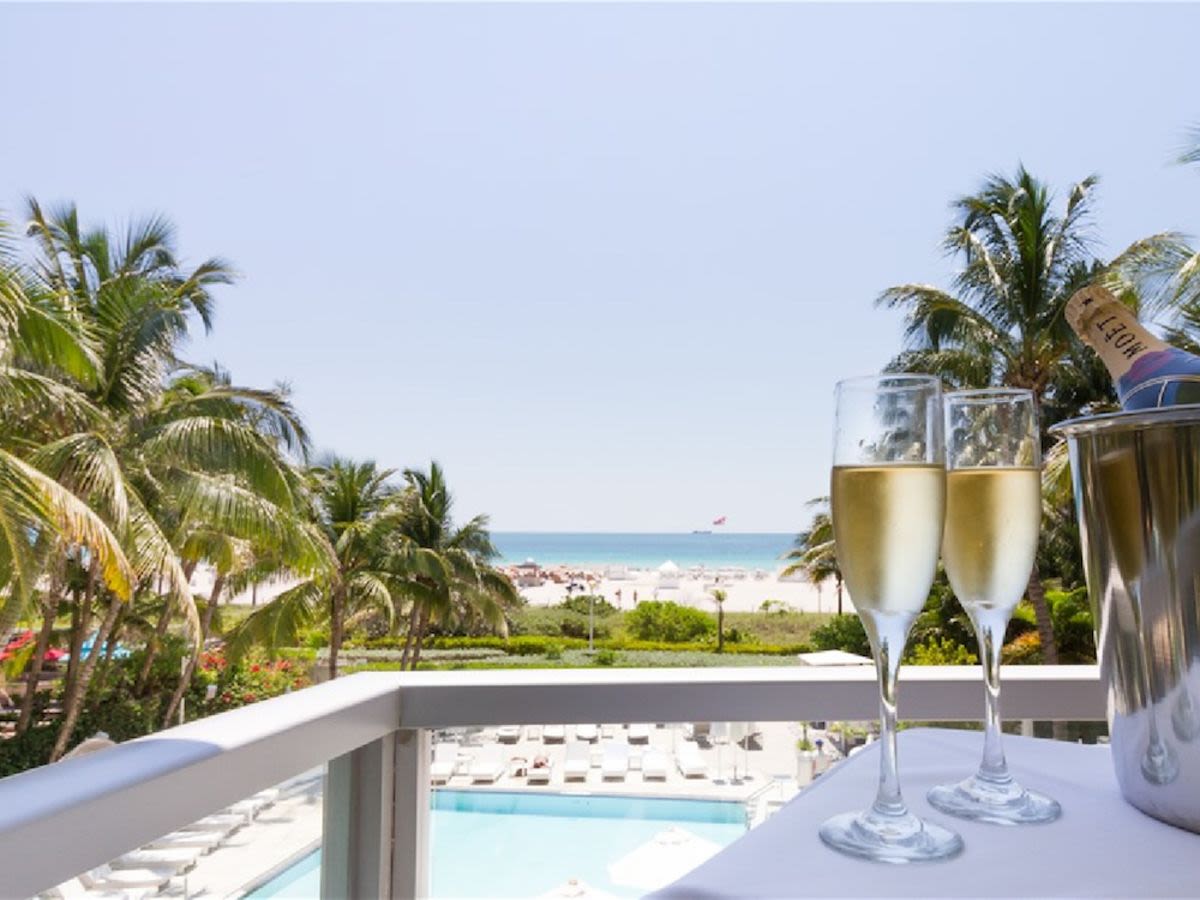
(888, 497)
(993, 514)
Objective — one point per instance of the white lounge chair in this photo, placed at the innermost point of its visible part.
(445, 761)
(539, 774)
(554, 734)
(639, 733)
(254, 804)
(690, 762)
(508, 734)
(173, 859)
(616, 760)
(487, 766)
(106, 878)
(205, 840)
(654, 765)
(577, 765)
(75, 890)
(589, 733)
(227, 822)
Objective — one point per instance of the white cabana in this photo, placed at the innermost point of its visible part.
(668, 575)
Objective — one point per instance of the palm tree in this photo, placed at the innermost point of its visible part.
(719, 597)
(467, 587)
(1004, 324)
(161, 457)
(355, 510)
(815, 554)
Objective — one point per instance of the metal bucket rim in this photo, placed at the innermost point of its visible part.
(1186, 414)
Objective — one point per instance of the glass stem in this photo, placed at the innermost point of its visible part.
(888, 634)
(990, 625)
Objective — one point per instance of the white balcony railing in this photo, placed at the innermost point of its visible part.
(373, 730)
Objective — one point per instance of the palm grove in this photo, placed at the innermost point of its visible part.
(1021, 255)
(124, 468)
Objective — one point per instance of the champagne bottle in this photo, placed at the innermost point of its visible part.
(1148, 372)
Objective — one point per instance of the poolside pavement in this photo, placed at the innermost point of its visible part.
(762, 778)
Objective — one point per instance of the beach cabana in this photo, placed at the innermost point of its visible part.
(668, 575)
(529, 574)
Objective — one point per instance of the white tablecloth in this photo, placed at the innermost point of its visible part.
(1100, 847)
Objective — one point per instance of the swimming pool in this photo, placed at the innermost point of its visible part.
(510, 844)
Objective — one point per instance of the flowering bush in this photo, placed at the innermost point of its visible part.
(250, 680)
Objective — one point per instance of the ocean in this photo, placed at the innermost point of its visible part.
(644, 551)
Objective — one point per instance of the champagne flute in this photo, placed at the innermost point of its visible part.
(888, 499)
(993, 514)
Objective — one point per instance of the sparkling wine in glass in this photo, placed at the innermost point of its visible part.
(993, 514)
(888, 502)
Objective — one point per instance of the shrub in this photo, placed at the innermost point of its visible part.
(1073, 627)
(942, 652)
(664, 621)
(315, 638)
(580, 603)
(554, 650)
(606, 658)
(843, 632)
(1025, 650)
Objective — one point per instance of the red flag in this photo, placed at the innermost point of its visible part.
(719, 520)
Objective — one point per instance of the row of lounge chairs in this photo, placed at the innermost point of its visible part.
(487, 765)
(638, 733)
(146, 871)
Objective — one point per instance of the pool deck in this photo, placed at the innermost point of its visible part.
(765, 777)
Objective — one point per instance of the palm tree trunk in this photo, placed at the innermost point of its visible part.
(335, 630)
(73, 702)
(1045, 624)
(185, 679)
(49, 611)
(104, 666)
(839, 593)
(160, 631)
(81, 621)
(720, 628)
(422, 624)
(408, 638)
(152, 648)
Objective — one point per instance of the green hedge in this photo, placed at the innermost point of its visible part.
(539, 645)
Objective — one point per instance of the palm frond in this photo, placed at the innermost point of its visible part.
(221, 445)
(278, 623)
(31, 500)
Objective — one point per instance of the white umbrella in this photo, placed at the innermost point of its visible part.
(669, 855)
(577, 890)
(668, 568)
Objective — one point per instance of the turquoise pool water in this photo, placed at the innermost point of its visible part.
(501, 844)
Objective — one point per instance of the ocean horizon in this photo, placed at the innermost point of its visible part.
(645, 550)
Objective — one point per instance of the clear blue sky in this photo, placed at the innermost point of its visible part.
(604, 263)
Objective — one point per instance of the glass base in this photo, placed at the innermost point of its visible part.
(999, 803)
(890, 839)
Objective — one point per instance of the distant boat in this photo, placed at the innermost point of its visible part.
(699, 531)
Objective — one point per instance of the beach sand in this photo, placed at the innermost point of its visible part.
(744, 594)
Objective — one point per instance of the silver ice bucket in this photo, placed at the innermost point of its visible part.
(1137, 493)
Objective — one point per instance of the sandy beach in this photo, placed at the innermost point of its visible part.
(745, 594)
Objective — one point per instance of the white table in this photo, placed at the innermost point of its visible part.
(1101, 847)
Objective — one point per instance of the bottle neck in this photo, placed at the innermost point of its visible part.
(1110, 328)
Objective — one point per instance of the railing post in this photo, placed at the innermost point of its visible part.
(410, 860)
(356, 854)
